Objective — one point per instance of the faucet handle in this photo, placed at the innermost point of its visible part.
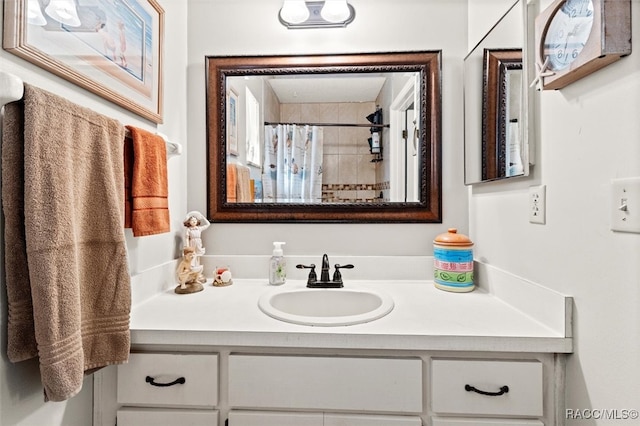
(312, 266)
(337, 276)
(349, 266)
(312, 273)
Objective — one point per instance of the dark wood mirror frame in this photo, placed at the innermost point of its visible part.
(496, 64)
(428, 209)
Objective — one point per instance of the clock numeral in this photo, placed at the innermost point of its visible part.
(575, 8)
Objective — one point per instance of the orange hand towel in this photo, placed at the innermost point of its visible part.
(146, 183)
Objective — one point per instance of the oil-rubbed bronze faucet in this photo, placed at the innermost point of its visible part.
(324, 282)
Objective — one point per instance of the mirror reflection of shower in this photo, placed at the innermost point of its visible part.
(334, 138)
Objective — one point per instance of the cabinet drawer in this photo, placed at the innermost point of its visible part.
(369, 420)
(326, 383)
(266, 418)
(180, 380)
(449, 380)
(271, 418)
(486, 422)
(160, 417)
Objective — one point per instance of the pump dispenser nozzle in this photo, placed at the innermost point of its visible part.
(277, 248)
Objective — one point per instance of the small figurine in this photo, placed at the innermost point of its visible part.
(195, 222)
(188, 277)
(222, 277)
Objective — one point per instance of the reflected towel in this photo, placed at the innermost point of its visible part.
(146, 183)
(232, 182)
(64, 231)
(243, 190)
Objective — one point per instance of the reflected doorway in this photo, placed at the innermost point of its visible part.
(403, 140)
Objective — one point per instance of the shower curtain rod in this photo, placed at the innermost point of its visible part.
(273, 123)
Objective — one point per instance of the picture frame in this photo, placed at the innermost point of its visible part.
(232, 122)
(112, 49)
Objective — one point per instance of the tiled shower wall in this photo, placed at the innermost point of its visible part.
(348, 172)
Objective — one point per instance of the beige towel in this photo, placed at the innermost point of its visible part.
(21, 339)
(71, 225)
(244, 181)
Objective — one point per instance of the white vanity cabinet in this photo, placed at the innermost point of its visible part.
(410, 368)
(168, 389)
(306, 387)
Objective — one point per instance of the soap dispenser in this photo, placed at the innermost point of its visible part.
(277, 265)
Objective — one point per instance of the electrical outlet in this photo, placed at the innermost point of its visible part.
(537, 204)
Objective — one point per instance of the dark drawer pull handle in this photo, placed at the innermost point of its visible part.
(178, 381)
(502, 391)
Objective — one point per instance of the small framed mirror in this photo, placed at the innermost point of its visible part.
(501, 155)
(498, 134)
(324, 138)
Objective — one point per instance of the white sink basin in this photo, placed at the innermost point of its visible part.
(326, 307)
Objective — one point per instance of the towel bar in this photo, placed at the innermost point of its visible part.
(12, 89)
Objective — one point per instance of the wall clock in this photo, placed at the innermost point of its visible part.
(577, 37)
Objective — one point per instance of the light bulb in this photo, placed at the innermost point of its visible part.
(294, 11)
(335, 10)
(34, 13)
(63, 11)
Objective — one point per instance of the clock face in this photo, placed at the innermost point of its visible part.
(567, 33)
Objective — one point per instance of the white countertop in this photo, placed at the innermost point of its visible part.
(423, 318)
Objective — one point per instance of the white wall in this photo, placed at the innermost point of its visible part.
(590, 134)
(21, 397)
(243, 27)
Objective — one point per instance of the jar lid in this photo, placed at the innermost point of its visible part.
(452, 238)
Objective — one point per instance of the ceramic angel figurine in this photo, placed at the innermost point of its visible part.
(194, 223)
(188, 277)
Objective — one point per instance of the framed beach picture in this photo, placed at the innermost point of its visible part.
(232, 123)
(112, 48)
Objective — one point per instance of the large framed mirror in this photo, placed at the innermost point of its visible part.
(498, 103)
(324, 138)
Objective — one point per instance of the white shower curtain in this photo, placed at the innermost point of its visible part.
(292, 170)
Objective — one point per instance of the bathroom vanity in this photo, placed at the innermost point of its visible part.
(494, 356)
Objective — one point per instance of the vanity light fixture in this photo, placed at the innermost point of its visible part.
(335, 11)
(316, 14)
(294, 11)
(63, 11)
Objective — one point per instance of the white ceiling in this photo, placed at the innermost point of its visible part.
(326, 89)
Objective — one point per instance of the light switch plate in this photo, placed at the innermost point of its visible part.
(625, 205)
